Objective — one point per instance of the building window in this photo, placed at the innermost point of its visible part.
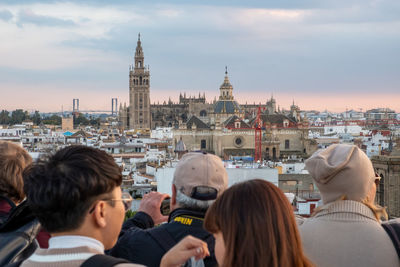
(285, 123)
(203, 144)
(311, 187)
(380, 192)
(238, 141)
(287, 144)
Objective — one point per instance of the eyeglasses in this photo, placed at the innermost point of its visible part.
(126, 199)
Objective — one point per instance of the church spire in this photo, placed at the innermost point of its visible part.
(139, 50)
(139, 57)
(226, 88)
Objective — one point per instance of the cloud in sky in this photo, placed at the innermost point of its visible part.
(29, 17)
(307, 48)
(5, 15)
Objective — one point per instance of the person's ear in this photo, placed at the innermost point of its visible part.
(173, 197)
(99, 214)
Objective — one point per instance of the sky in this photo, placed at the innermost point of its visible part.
(323, 55)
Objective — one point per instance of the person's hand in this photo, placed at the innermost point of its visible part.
(151, 204)
(184, 250)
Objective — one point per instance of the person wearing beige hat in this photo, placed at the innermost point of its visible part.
(346, 230)
(198, 180)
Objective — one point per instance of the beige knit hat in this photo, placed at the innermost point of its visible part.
(341, 170)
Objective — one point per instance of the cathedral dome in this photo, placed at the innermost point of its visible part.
(226, 103)
(227, 107)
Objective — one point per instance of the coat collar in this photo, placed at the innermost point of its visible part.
(346, 210)
(179, 212)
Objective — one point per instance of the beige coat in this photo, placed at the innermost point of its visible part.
(346, 233)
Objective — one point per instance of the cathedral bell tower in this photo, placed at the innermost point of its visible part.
(139, 92)
(226, 89)
(226, 105)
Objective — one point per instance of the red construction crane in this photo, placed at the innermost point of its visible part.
(257, 135)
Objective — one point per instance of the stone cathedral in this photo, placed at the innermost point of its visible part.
(223, 126)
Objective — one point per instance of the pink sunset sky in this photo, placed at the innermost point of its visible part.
(51, 102)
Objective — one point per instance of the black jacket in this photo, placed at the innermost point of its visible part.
(138, 245)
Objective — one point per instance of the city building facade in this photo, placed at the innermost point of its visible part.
(223, 126)
(387, 192)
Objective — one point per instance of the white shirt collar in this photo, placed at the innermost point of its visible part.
(73, 241)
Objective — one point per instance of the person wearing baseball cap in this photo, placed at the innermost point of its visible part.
(198, 180)
(346, 230)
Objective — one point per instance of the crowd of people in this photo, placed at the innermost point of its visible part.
(76, 210)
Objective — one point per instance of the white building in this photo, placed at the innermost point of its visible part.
(162, 133)
(352, 129)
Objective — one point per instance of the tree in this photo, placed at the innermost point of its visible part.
(4, 117)
(81, 120)
(36, 118)
(57, 119)
(95, 122)
(53, 120)
(18, 116)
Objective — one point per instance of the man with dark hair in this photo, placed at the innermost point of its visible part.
(76, 196)
(198, 179)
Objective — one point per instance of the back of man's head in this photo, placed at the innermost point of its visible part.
(199, 178)
(61, 189)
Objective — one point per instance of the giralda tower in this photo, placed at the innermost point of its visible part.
(139, 92)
